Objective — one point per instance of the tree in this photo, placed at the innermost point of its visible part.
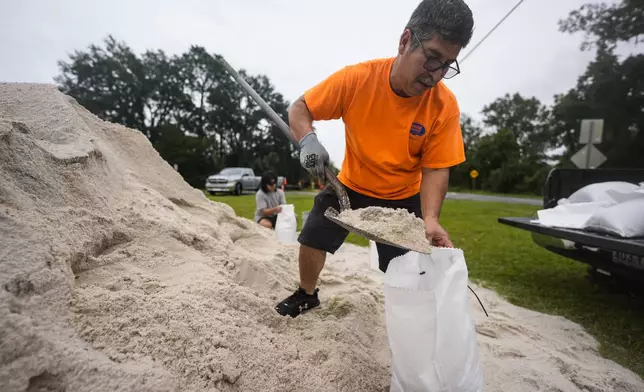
(609, 89)
(110, 82)
(526, 118)
(472, 133)
(606, 25)
(187, 105)
(190, 153)
(612, 91)
(514, 157)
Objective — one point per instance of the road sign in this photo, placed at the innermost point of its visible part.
(591, 131)
(474, 173)
(589, 157)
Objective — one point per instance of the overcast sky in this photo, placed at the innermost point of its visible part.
(298, 43)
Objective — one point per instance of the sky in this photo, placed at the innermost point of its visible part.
(298, 43)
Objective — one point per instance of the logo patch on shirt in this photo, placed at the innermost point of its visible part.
(417, 129)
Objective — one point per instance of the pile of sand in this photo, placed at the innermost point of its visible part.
(118, 276)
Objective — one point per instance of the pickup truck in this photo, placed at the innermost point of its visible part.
(620, 259)
(236, 180)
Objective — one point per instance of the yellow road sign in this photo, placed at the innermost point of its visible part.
(474, 173)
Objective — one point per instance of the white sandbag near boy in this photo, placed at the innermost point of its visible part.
(429, 326)
(286, 225)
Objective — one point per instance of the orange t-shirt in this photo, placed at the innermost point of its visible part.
(388, 138)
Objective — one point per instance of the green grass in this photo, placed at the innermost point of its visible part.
(506, 260)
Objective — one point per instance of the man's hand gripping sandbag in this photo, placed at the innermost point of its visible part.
(313, 156)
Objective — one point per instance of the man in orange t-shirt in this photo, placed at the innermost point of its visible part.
(402, 130)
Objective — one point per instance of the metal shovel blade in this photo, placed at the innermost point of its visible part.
(334, 216)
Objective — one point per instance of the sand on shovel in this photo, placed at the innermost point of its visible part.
(116, 275)
(396, 225)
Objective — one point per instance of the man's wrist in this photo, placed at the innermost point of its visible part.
(430, 219)
(309, 134)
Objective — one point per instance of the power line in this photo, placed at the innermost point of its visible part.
(490, 32)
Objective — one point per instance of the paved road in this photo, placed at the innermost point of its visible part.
(469, 196)
(498, 199)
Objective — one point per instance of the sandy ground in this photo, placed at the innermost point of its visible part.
(118, 276)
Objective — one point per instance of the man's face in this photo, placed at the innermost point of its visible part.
(415, 79)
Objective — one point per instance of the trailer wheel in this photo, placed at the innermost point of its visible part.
(597, 277)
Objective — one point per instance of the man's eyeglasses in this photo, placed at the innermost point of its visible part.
(433, 64)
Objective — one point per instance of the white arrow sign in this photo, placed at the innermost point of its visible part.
(589, 157)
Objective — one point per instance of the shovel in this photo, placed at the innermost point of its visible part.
(331, 213)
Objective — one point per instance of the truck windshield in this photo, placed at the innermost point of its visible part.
(231, 171)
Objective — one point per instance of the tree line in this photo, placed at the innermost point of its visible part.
(193, 113)
(198, 118)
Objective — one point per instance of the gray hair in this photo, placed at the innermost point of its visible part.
(451, 20)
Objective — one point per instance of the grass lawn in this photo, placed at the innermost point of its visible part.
(506, 260)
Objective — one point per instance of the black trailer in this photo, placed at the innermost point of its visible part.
(606, 255)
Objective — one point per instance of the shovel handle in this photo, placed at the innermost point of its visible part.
(338, 188)
(330, 177)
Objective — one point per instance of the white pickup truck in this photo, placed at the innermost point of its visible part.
(236, 180)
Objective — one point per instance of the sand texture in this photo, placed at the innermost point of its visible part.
(396, 225)
(117, 276)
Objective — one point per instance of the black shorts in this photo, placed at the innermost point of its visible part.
(322, 234)
(272, 219)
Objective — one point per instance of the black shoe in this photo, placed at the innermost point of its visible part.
(298, 302)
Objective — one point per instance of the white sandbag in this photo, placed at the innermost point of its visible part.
(624, 219)
(621, 197)
(570, 216)
(286, 225)
(429, 326)
(598, 192)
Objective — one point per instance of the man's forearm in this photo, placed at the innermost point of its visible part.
(300, 119)
(433, 188)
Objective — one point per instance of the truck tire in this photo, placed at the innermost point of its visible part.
(238, 189)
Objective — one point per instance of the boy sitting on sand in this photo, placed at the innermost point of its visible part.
(268, 200)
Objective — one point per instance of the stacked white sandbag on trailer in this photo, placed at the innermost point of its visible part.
(598, 192)
(570, 215)
(613, 207)
(624, 219)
